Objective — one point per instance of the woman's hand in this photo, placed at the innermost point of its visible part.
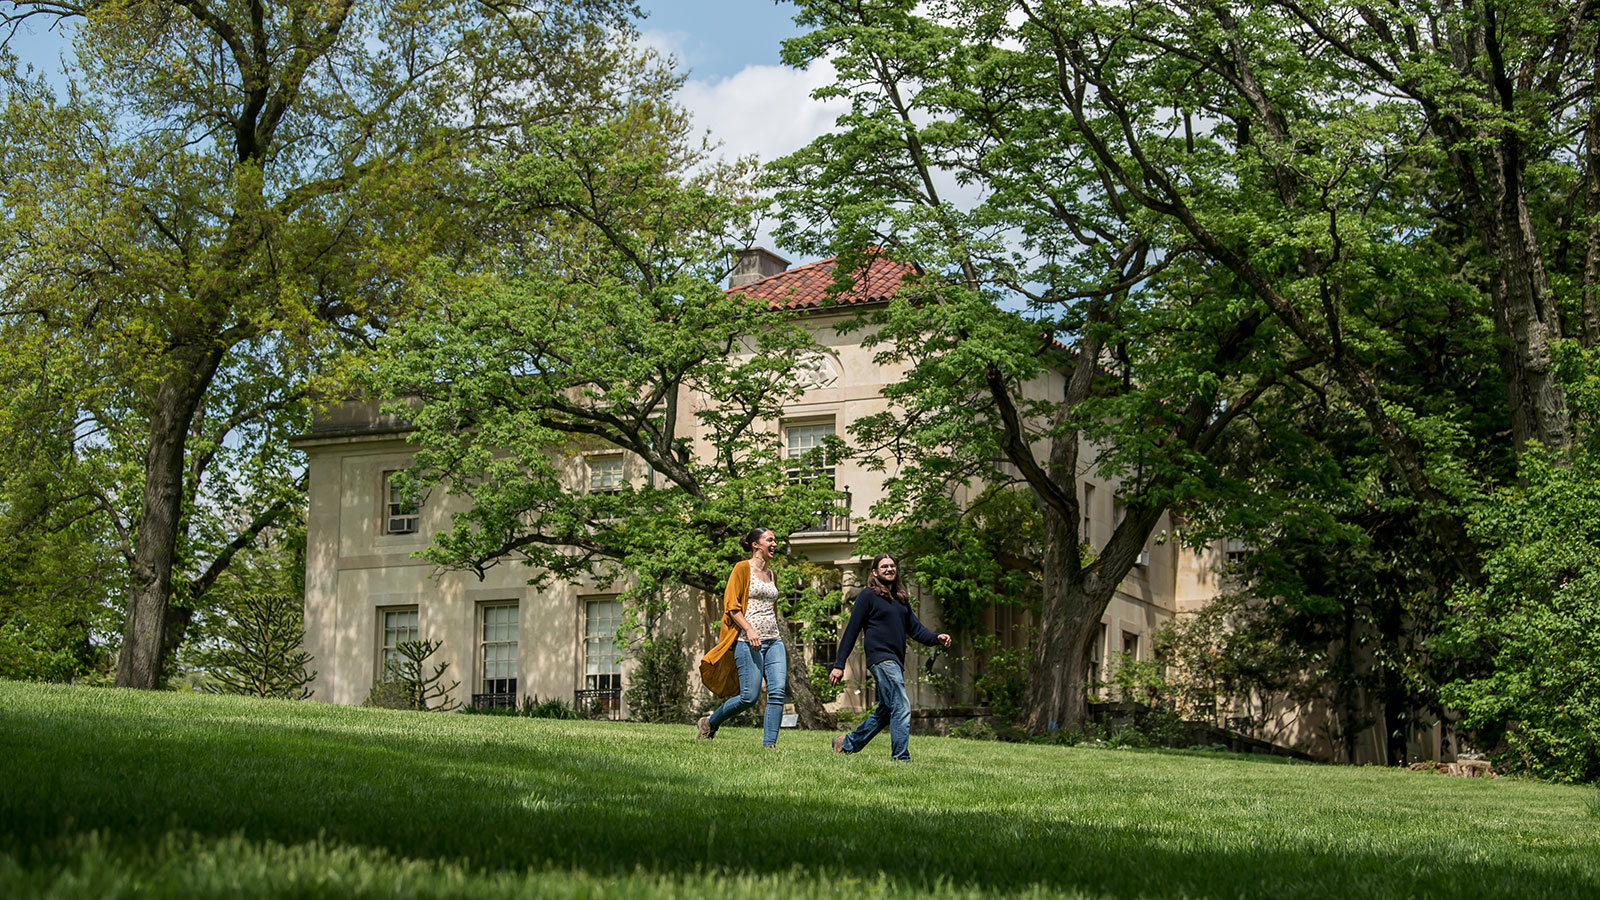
(755, 641)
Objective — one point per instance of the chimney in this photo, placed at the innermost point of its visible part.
(754, 264)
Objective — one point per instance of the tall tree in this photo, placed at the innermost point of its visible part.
(1207, 203)
(600, 326)
(227, 198)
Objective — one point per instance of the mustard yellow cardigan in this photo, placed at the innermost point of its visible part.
(718, 671)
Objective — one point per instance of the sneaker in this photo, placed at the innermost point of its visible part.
(838, 743)
(706, 731)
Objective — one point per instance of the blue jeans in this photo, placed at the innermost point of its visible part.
(894, 711)
(770, 661)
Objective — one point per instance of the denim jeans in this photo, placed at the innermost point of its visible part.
(894, 711)
(772, 663)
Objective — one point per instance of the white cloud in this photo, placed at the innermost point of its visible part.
(764, 111)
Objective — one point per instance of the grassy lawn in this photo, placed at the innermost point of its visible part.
(118, 794)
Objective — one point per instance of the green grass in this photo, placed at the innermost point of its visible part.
(119, 794)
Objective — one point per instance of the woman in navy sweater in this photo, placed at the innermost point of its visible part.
(882, 613)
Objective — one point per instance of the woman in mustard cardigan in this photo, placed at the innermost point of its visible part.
(749, 648)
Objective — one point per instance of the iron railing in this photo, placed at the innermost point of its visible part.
(832, 524)
(599, 703)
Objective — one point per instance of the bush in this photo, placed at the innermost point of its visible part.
(1537, 618)
(389, 694)
(826, 691)
(984, 729)
(259, 650)
(534, 708)
(1163, 727)
(974, 729)
(1004, 681)
(1071, 736)
(1128, 738)
(658, 690)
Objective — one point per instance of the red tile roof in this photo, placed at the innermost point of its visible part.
(806, 287)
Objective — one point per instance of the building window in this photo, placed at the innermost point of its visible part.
(602, 662)
(1086, 535)
(497, 650)
(1235, 550)
(1011, 626)
(1097, 653)
(601, 694)
(402, 507)
(802, 439)
(605, 474)
(397, 624)
(825, 651)
(1130, 645)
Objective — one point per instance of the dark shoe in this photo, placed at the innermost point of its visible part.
(706, 731)
(838, 743)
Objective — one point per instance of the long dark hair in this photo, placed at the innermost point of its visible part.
(892, 590)
(748, 542)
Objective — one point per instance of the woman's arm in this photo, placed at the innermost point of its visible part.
(749, 632)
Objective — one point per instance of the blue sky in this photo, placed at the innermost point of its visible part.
(719, 38)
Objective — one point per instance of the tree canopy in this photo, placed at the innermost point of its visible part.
(225, 201)
(1219, 222)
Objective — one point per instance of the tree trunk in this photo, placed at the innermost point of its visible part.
(1530, 319)
(1058, 673)
(145, 647)
(806, 705)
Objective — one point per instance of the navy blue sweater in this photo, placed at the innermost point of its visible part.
(887, 623)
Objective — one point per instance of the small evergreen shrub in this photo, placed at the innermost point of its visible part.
(404, 686)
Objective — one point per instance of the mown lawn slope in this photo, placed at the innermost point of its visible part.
(119, 794)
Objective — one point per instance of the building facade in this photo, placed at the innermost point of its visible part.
(506, 640)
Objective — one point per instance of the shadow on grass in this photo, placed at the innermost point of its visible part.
(540, 800)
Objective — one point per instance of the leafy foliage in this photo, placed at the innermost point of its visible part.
(1288, 261)
(249, 628)
(1537, 615)
(658, 688)
(219, 209)
(599, 330)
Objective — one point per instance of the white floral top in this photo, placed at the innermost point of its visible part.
(760, 610)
